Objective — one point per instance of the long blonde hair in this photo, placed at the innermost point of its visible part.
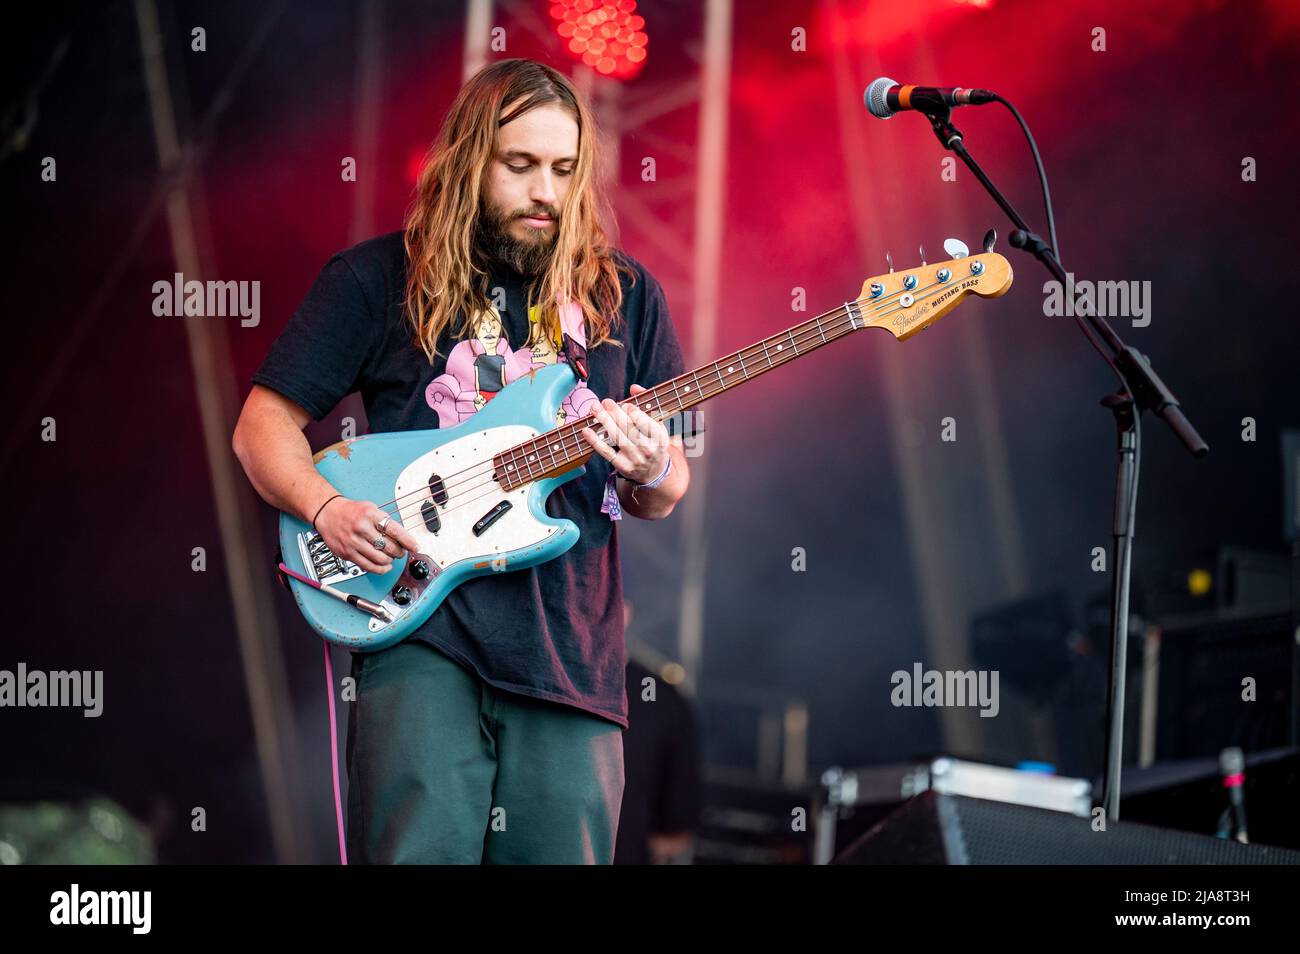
(444, 284)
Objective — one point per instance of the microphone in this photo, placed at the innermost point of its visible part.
(1232, 767)
(885, 97)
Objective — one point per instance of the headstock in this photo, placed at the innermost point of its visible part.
(910, 300)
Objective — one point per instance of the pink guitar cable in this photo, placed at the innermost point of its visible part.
(334, 753)
(329, 694)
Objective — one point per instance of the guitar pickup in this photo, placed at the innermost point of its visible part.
(491, 517)
(438, 490)
(429, 513)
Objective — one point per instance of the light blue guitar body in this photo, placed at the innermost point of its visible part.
(394, 471)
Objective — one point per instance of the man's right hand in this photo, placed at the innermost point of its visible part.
(351, 527)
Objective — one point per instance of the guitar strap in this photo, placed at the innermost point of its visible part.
(576, 355)
(573, 328)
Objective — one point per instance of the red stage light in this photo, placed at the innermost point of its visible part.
(607, 35)
(877, 25)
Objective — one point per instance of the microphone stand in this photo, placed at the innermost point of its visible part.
(1140, 390)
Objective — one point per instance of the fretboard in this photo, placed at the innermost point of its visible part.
(564, 447)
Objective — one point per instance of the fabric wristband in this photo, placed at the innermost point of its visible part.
(661, 478)
(611, 506)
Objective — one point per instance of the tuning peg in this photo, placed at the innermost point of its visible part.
(990, 239)
(955, 248)
(889, 260)
(921, 249)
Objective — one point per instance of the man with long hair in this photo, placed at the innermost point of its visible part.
(493, 733)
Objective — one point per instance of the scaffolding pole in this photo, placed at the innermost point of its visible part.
(250, 594)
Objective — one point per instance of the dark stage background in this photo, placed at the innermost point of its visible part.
(1144, 144)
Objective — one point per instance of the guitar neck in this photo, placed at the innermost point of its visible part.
(903, 303)
(694, 387)
(564, 447)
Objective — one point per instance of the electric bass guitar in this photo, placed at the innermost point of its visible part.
(474, 495)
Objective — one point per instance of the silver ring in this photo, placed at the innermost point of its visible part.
(380, 543)
(383, 523)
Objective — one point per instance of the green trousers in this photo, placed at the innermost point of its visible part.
(445, 769)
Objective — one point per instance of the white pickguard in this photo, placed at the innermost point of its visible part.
(465, 466)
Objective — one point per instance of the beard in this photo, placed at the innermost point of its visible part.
(529, 256)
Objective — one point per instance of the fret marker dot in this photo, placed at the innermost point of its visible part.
(779, 347)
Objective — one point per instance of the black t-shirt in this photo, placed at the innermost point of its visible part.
(552, 631)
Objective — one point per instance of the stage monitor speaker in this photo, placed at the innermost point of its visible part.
(1199, 709)
(933, 829)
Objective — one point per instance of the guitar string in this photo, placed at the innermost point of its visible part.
(490, 491)
(923, 293)
(574, 432)
(809, 334)
(569, 442)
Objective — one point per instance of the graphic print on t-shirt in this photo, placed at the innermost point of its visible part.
(484, 363)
